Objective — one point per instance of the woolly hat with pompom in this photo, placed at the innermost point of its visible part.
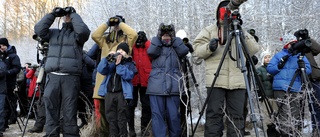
(262, 55)
(287, 39)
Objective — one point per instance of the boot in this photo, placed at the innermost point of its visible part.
(35, 130)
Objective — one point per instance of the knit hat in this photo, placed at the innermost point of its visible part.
(124, 46)
(287, 39)
(262, 55)
(4, 41)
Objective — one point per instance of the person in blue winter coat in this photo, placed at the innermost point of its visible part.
(165, 83)
(116, 88)
(283, 67)
(3, 94)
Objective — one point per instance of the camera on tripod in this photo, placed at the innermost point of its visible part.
(42, 46)
(113, 57)
(303, 43)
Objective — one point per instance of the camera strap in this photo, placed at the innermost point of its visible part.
(223, 22)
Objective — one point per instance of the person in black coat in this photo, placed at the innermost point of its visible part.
(12, 60)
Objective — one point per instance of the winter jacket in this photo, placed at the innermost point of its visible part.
(95, 54)
(166, 75)
(282, 77)
(88, 65)
(230, 77)
(143, 64)
(266, 80)
(315, 50)
(12, 61)
(65, 44)
(33, 76)
(126, 70)
(3, 85)
(130, 36)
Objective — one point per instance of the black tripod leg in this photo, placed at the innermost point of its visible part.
(9, 103)
(30, 108)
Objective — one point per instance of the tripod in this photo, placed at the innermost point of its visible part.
(306, 85)
(188, 68)
(241, 54)
(39, 81)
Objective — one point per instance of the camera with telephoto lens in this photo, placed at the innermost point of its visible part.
(302, 46)
(112, 57)
(43, 46)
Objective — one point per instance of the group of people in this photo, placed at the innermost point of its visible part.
(125, 66)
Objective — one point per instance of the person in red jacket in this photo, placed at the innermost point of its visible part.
(31, 74)
(140, 83)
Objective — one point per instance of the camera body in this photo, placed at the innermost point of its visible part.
(302, 46)
(303, 43)
(34, 66)
(112, 57)
(43, 46)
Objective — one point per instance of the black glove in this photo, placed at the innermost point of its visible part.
(301, 64)
(69, 10)
(213, 44)
(190, 47)
(58, 12)
(283, 61)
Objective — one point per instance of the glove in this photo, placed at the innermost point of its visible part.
(58, 12)
(69, 10)
(283, 61)
(190, 47)
(255, 60)
(301, 64)
(213, 44)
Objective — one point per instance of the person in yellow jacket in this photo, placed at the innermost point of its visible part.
(119, 32)
(229, 88)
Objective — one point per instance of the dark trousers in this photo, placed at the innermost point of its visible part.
(139, 91)
(104, 125)
(234, 100)
(290, 111)
(116, 108)
(10, 107)
(3, 95)
(165, 113)
(316, 100)
(41, 113)
(61, 93)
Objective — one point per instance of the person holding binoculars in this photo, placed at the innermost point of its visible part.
(63, 67)
(119, 32)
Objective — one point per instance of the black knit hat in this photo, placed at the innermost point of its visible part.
(4, 41)
(124, 46)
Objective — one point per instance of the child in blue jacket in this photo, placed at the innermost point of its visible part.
(283, 67)
(117, 88)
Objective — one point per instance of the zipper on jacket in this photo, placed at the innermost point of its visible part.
(114, 82)
(61, 45)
